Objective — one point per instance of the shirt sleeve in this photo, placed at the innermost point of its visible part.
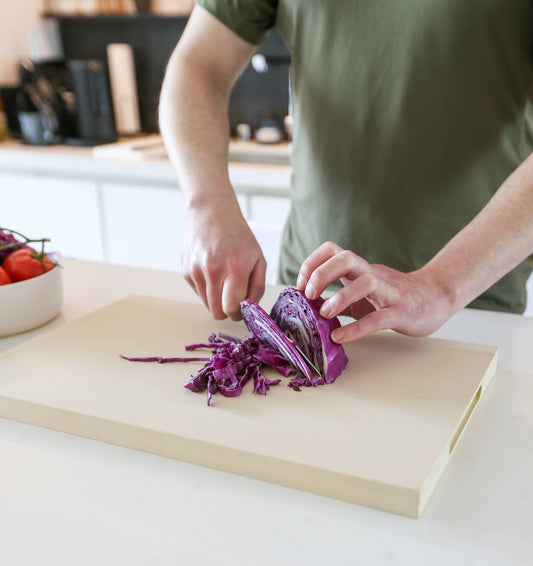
(250, 19)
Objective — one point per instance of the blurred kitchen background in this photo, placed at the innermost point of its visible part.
(81, 159)
(79, 84)
(66, 40)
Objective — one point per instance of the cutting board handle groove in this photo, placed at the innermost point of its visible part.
(465, 418)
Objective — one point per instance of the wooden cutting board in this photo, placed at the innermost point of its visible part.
(380, 436)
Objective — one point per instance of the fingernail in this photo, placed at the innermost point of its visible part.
(325, 309)
(310, 292)
(300, 283)
(338, 334)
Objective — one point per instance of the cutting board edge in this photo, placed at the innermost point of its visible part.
(361, 491)
(442, 462)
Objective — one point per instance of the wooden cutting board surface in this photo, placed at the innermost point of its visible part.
(380, 436)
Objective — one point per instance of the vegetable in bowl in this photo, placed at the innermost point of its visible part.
(19, 261)
(31, 289)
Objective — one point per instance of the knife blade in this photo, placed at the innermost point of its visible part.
(311, 365)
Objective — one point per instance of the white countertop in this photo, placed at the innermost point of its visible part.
(67, 500)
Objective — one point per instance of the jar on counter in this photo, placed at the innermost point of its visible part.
(35, 126)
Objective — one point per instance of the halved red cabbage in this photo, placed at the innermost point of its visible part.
(300, 320)
(267, 331)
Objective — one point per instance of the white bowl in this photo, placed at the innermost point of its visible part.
(30, 303)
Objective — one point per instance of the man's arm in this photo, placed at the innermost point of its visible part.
(222, 260)
(418, 303)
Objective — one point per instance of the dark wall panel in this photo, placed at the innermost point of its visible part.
(255, 96)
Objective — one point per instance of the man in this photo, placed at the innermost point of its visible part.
(412, 182)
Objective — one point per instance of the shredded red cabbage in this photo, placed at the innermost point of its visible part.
(233, 363)
(161, 360)
(294, 321)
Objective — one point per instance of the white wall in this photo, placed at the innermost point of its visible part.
(19, 17)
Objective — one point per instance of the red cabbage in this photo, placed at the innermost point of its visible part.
(266, 330)
(294, 321)
(161, 360)
(233, 363)
(300, 320)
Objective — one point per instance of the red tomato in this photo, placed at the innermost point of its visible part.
(4, 277)
(26, 263)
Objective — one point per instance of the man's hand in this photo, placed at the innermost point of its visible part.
(222, 260)
(377, 296)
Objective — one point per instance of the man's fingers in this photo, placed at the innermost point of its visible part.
(234, 291)
(367, 286)
(256, 284)
(238, 286)
(377, 320)
(214, 298)
(326, 264)
(344, 265)
(197, 282)
(318, 257)
(359, 309)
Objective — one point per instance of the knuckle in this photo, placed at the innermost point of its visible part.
(383, 319)
(219, 315)
(240, 268)
(348, 258)
(234, 313)
(257, 292)
(231, 305)
(308, 265)
(332, 247)
(318, 278)
(194, 272)
(329, 246)
(371, 281)
(305, 267)
(341, 298)
(212, 269)
(353, 331)
(189, 279)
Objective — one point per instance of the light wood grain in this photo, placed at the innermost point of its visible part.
(380, 436)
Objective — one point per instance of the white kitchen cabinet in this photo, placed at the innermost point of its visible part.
(143, 225)
(266, 218)
(269, 209)
(65, 210)
(126, 212)
(529, 287)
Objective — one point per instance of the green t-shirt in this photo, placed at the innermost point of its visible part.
(408, 115)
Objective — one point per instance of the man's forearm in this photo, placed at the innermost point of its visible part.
(493, 243)
(194, 105)
(194, 125)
